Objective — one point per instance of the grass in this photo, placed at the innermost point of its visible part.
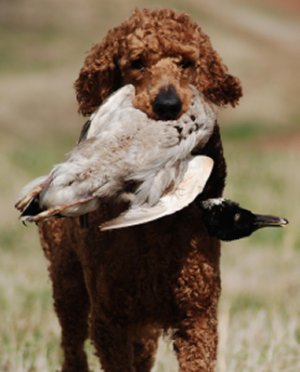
(42, 48)
(259, 309)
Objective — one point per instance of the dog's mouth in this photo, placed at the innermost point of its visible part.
(189, 113)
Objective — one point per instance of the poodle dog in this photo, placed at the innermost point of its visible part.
(125, 287)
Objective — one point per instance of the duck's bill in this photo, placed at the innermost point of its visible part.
(269, 221)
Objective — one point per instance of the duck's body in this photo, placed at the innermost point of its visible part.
(124, 155)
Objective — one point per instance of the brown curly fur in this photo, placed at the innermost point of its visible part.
(128, 285)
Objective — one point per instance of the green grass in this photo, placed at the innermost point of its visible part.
(243, 131)
(38, 158)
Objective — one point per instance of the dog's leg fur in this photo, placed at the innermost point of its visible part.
(145, 342)
(69, 292)
(112, 344)
(195, 342)
(198, 290)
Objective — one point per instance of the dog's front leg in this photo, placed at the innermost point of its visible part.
(196, 340)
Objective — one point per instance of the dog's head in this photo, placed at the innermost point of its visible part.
(161, 53)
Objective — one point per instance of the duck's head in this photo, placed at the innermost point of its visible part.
(226, 220)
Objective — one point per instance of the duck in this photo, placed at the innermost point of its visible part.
(124, 156)
(227, 220)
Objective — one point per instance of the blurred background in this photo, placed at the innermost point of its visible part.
(42, 46)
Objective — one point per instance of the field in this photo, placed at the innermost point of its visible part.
(42, 45)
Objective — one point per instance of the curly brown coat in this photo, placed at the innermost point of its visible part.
(128, 285)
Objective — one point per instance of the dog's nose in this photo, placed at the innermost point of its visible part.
(167, 104)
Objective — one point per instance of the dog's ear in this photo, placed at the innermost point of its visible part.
(99, 75)
(213, 78)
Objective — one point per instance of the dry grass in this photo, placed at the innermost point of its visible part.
(42, 46)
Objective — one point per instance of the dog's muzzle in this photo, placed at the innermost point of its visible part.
(167, 104)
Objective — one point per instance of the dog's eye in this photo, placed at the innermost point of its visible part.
(137, 64)
(186, 63)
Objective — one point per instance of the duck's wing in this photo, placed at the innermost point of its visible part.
(198, 171)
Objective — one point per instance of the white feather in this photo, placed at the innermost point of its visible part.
(197, 173)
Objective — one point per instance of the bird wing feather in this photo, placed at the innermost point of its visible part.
(198, 171)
